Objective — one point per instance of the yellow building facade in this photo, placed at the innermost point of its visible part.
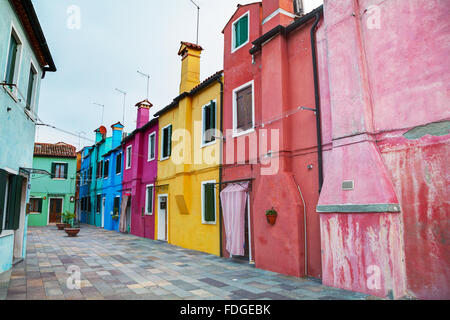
(187, 196)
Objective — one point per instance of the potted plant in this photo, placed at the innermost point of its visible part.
(65, 222)
(271, 216)
(72, 230)
(115, 214)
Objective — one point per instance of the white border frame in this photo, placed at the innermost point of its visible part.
(34, 88)
(234, 49)
(146, 200)
(121, 165)
(167, 216)
(203, 203)
(234, 96)
(61, 179)
(203, 144)
(130, 147)
(162, 143)
(149, 158)
(13, 31)
(49, 202)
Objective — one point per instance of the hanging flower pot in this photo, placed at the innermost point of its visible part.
(271, 216)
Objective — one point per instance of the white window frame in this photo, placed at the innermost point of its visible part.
(130, 148)
(235, 91)
(121, 167)
(62, 179)
(203, 144)
(203, 203)
(101, 203)
(150, 158)
(34, 88)
(33, 212)
(146, 199)
(162, 143)
(4, 232)
(48, 211)
(104, 162)
(16, 76)
(233, 48)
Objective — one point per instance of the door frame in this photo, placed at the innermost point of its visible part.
(167, 215)
(103, 211)
(49, 202)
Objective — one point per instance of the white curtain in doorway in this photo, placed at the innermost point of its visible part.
(233, 199)
(123, 214)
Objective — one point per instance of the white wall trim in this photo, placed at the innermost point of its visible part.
(129, 157)
(245, 85)
(146, 199)
(203, 203)
(203, 144)
(153, 134)
(234, 49)
(162, 143)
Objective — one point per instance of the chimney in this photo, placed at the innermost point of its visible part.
(298, 7)
(117, 130)
(190, 66)
(143, 114)
(100, 134)
(278, 12)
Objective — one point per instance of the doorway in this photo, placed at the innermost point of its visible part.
(128, 215)
(56, 210)
(103, 212)
(162, 217)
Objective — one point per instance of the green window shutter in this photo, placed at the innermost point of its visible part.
(213, 116)
(241, 31)
(169, 140)
(66, 168)
(53, 170)
(210, 214)
(40, 205)
(14, 203)
(3, 180)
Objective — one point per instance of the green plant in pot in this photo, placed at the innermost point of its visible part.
(71, 230)
(115, 215)
(271, 216)
(65, 222)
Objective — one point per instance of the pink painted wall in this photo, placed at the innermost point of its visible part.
(382, 74)
(141, 174)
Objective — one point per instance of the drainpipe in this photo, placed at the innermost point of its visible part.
(220, 166)
(317, 100)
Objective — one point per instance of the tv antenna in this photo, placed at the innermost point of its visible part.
(148, 81)
(124, 102)
(103, 109)
(198, 18)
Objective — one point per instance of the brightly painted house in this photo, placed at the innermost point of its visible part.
(52, 195)
(140, 149)
(384, 208)
(24, 60)
(270, 145)
(187, 213)
(112, 182)
(85, 184)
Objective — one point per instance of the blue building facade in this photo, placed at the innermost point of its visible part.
(112, 182)
(24, 59)
(85, 184)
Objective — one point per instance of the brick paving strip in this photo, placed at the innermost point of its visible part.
(117, 266)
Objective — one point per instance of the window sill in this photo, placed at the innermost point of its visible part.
(164, 159)
(11, 94)
(35, 213)
(204, 145)
(243, 133)
(209, 223)
(150, 160)
(148, 214)
(59, 179)
(233, 50)
(6, 233)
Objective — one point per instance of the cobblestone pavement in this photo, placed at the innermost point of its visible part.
(115, 266)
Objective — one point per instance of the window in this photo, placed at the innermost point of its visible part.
(128, 157)
(89, 204)
(209, 123)
(166, 142)
(12, 66)
(209, 202)
(59, 170)
(90, 175)
(240, 32)
(152, 146)
(36, 205)
(149, 199)
(116, 207)
(11, 187)
(119, 164)
(243, 109)
(106, 170)
(99, 169)
(98, 204)
(31, 85)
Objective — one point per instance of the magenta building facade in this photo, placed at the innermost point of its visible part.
(384, 206)
(140, 150)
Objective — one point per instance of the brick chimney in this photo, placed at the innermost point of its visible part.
(143, 114)
(190, 66)
(117, 130)
(277, 12)
(100, 134)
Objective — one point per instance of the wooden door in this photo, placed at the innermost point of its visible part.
(55, 210)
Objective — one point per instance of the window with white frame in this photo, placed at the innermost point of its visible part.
(209, 202)
(129, 157)
(119, 163)
(243, 109)
(31, 87)
(13, 62)
(149, 196)
(209, 123)
(59, 170)
(36, 205)
(152, 146)
(166, 142)
(240, 32)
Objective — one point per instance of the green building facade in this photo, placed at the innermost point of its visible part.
(52, 194)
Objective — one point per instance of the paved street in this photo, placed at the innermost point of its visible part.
(116, 266)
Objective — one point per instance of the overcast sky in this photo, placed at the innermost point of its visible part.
(116, 38)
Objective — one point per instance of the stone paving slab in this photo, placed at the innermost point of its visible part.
(115, 266)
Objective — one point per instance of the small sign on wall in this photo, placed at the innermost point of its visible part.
(72, 199)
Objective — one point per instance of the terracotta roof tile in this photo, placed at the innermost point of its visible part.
(60, 149)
